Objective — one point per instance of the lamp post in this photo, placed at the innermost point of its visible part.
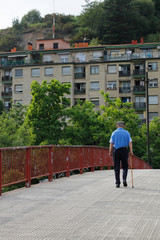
(147, 110)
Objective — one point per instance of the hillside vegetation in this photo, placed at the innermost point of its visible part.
(105, 22)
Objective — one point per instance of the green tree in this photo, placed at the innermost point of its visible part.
(7, 41)
(90, 22)
(116, 110)
(154, 136)
(157, 7)
(82, 124)
(13, 129)
(119, 21)
(65, 25)
(46, 111)
(128, 20)
(90, 127)
(31, 17)
(1, 107)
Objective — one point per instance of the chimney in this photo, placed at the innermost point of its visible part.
(134, 42)
(30, 46)
(141, 40)
(14, 49)
(76, 44)
(81, 44)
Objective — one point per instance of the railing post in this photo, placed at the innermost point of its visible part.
(0, 172)
(67, 161)
(81, 160)
(50, 177)
(28, 167)
(92, 155)
(101, 160)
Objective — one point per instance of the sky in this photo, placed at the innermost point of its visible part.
(13, 9)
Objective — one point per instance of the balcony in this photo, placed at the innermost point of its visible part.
(124, 90)
(139, 89)
(140, 106)
(139, 72)
(124, 73)
(132, 56)
(117, 57)
(12, 63)
(6, 94)
(79, 75)
(6, 79)
(79, 91)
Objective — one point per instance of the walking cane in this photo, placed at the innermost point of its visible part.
(131, 171)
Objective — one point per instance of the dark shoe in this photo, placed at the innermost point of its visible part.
(117, 185)
(124, 183)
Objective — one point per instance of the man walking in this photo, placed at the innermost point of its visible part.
(119, 142)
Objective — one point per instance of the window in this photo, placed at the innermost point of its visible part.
(94, 69)
(80, 72)
(81, 57)
(124, 70)
(126, 99)
(128, 51)
(95, 101)
(114, 52)
(18, 88)
(48, 71)
(94, 86)
(66, 70)
(140, 103)
(111, 85)
(18, 73)
(152, 115)
(55, 45)
(7, 73)
(140, 99)
(111, 68)
(35, 72)
(64, 58)
(97, 55)
(141, 116)
(41, 46)
(152, 66)
(153, 83)
(79, 88)
(18, 102)
(47, 58)
(125, 87)
(7, 89)
(6, 104)
(153, 99)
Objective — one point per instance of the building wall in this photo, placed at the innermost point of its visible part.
(97, 74)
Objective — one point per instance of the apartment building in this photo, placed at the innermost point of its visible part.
(120, 70)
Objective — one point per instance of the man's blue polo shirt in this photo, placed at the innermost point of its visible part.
(120, 138)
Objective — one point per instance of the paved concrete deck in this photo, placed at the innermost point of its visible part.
(84, 207)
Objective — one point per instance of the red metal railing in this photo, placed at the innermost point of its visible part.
(22, 164)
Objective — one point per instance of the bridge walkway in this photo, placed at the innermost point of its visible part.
(87, 207)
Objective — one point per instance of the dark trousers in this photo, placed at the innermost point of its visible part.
(120, 155)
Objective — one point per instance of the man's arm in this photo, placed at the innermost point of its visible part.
(111, 149)
(131, 148)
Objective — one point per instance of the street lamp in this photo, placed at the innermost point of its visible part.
(147, 110)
